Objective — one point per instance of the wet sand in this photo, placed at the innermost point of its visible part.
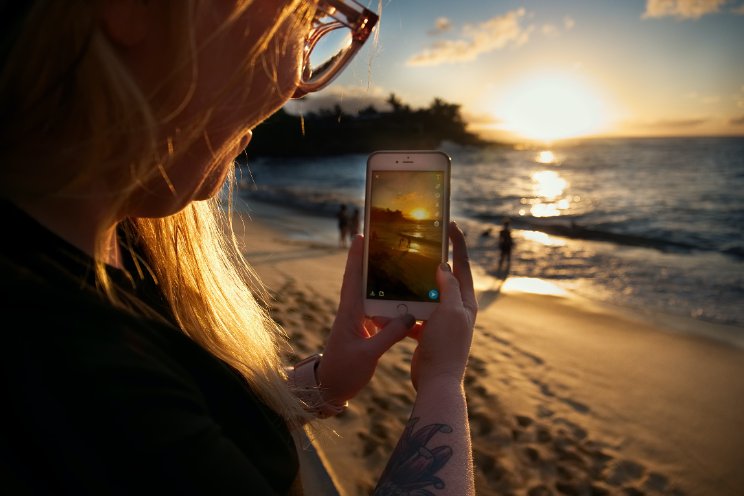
(565, 396)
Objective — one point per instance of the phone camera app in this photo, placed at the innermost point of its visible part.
(405, 235)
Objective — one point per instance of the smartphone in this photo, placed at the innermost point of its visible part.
(406, 214)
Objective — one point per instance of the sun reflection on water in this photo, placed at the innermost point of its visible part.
(543, 238)
(545, 210)
(545, 157)
(549, 184)
(548, 187)
(532, 285)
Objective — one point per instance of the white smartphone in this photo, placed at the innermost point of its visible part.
(406, 215)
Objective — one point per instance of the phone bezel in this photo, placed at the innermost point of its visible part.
(404, 160)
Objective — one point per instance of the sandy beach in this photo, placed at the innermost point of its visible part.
(565, 396)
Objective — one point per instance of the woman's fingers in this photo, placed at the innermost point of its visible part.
(462, 272)
(449, 286)
(351, 288)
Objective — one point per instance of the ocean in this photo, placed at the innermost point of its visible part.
(652, 224)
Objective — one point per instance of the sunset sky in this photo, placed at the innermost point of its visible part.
(551, 69)
(415, 194)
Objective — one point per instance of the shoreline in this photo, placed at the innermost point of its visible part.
(565, 396)
(317, 228)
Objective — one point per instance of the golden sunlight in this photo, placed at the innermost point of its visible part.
(548, 188)
(545, 157)
(551, 107)
(543, 238)
(549, 184)
(419, 214)
(532, 285)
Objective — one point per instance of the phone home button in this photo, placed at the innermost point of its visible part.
(402, 309)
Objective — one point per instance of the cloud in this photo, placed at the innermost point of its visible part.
(678, 123)
(549, 29)
(704, 99)
(351, 99)
(739, 10)
(441, 25)
(682, 9)
(737, 121)
(739, 97)
(493, 34)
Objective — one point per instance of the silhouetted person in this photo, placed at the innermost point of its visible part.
(343, 225)
(404, 242)
(506, 243)
(354, 224)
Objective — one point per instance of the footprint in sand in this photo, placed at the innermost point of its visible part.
(480, 424)
(489, 466)
(621, 472)
(655, 482)
(536, 360)
(523, 420)
(544, 388)
(380, 430)
(477, 365)
(576, 405)
(544, 412)
(381, 402)
(543, 435)
(308, 317)
(547, 390)
(532, 454)
(540, 491)
(369, 444)
(577, 431)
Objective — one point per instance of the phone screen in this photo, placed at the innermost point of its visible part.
(405, 234)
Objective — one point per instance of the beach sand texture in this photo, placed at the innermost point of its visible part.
(565, 396)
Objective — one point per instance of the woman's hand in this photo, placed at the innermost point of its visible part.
(444, 340)
(355, 343)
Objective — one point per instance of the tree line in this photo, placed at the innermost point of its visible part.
(334, 132)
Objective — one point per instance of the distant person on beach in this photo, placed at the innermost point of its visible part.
(343, 225)
(354, 224)
(141, 358)
(506, 244)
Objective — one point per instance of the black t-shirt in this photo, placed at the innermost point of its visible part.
(97, 401)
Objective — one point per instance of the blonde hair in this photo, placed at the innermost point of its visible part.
(81, 106)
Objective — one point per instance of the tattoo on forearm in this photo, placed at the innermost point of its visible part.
(413, 464)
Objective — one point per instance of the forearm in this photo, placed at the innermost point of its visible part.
(434, 451)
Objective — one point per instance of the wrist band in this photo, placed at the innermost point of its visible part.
(304, 384)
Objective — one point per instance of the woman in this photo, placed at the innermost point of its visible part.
(343, 225)
(355, 222)
(141, 358)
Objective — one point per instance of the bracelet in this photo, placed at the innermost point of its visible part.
(304, 383)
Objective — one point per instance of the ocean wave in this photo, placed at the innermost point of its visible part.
(569, 228)
(317, 203)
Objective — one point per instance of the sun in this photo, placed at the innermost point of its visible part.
(419, 214)
(551, 106)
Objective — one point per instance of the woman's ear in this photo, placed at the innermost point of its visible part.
(126, 22)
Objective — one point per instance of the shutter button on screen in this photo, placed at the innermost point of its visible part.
(402, 309)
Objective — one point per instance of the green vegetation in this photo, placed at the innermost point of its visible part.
(333, 132)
